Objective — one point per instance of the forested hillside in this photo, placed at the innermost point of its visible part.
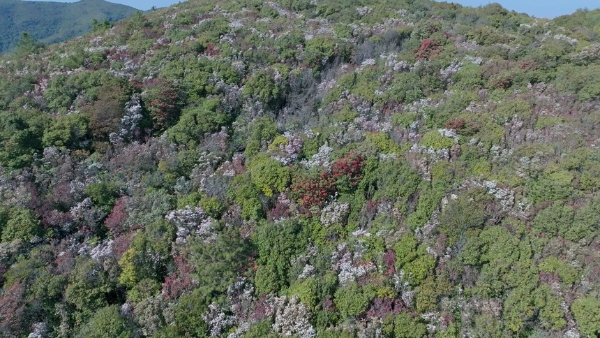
(51, 22)
(325, 168)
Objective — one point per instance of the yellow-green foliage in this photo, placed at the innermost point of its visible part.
(359, 83)
(590, 178)
(306, 290)
(441, 172)
(366, 84)
(545, 121)
(567, 273)
(407, 326)
(190, 199)
(260, 131)
(106, 322)
(384, 143)
(553, 184)
(404, 119)
(429, 199)
(433, 139)
(551, 314)
(212, 206)
(269, 175)
(262, 87)
(413, 259)
(20, 224)
(278, 141)
(520, 308)
(468, 77)
(345, 115)
(352, 300)
(581, 80)
(587, 315)
(144, 289)
(127, 263)
(513, 108)
(490, 132)
(342, 31)
(405, 249)
(66, 131)
(245, 194)
(482, 167)
(196, 121)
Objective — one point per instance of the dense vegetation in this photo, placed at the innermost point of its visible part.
(51, 22)
(304, 168)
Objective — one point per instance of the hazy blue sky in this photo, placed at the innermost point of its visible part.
(139, 4)
(146, 4)
(539, 8)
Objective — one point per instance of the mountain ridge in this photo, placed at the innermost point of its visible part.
(50, 22)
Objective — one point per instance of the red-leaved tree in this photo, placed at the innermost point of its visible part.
(164, 103)
(12, 306)
(314, 191)
(428, 49)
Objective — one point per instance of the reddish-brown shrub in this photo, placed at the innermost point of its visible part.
(345, 174)
(180, 281)
(115, 221)
(428, 49)
(455, 123)
(313, 191)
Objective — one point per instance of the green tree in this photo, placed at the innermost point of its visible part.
(407, 326)
(212, 206)
(26, 45)
(587, 314)
(89, 286)
(188, 317)
(396, 181)
(277, 243)
(468, 77)
(413, 259)
(106, 323)
(262, 86)
(268, 174)
(100, 25)
(322, 50)
(217, 264)
(551, 315)
(519, 308)
(103, 194)
(554, 220)
(260, 133)
(513, 108)
(21, 224)
(245, 194)
(552, 185)
(196, 121)
(69, 131)
(464, 213)
(352, 300)
(20, 136)
(147, 256)
(406, 88)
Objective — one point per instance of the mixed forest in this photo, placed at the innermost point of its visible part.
(322, 168)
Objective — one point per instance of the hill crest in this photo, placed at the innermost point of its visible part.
(50, 22)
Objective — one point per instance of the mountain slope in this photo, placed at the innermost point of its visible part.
(328, 168)
(50, 22)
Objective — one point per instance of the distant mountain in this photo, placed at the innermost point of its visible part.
(50, 22)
